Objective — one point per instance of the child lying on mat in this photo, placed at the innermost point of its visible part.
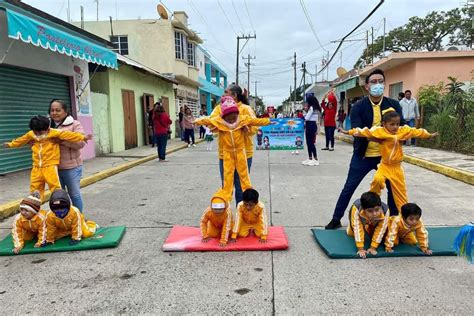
(367, 215)
(66, 220)
(29, 223)
(251, 216)
(216, 221)
(407, 229)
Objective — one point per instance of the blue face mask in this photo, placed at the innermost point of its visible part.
(376, 90)
(61, 213)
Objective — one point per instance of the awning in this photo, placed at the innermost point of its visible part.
(346, 85)
(39, 34)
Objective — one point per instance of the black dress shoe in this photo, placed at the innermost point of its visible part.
(333, 224)
(325, 148)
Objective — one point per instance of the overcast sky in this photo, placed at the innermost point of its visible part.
(280, 25)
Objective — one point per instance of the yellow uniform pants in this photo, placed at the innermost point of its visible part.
(235, 160)
(245, 229)
(409, 239)
(88, 230)
(395, 174)
(42, 175)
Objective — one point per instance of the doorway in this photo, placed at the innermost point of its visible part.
(129, 118)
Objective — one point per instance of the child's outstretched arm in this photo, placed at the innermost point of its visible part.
(263, 220)
(238, 218)
(258, 121)
(203, 225)
(359, 233)
(50, 228)
(392, 233)
(17, 235)
(20, 141)
(422, 237)
(226, 228)
(73, 136)
(412, 132)
(377, 237)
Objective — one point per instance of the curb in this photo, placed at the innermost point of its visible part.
(11, 208)
(454, 173)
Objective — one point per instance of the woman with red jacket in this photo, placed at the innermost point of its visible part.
(161, 126)
(329, 106)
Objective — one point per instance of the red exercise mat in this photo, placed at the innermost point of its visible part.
(185, 238)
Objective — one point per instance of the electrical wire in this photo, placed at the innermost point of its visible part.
(248, 14)
(238, 17)
(305, 11)
(227, 18)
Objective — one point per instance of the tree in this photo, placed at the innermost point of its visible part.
(299, 94)
(425, 33)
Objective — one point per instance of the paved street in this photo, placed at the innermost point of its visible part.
(137, 277)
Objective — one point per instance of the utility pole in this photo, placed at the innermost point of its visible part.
(82, 17)
(247, 37)
(383, 45)
(256, 81)
(372, 50)
(316, 74)
(304, 80)
(340, 62)
(294, 68)
(248, 64)
(327, 68)
(68, 11)
(97, 6)
(367, 47)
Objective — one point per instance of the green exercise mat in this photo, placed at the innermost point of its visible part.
(105, 237)
(337, 245)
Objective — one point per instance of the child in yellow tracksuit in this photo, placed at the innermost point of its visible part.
(367, 215)
(45, 152)
(29, 223)
(66, 220)
(390, 168)
(232, 139)
(407, 228)
(216, 221)
(251, 215)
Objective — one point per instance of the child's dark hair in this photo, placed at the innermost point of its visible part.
(389, 116)
(370, 200)
(39, 123)
(250, 195)
(410, 209)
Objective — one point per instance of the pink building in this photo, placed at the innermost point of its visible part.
(411, 70)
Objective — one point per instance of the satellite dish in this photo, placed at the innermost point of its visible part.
(453, 48)
(162, 11)
(341, 71)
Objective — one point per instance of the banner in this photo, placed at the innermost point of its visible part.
(287, 134)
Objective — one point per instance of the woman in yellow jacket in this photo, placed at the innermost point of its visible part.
(45, 152)
(216, 221)
(66, 220)
(232, 140)
(236, 93)
(390, 168)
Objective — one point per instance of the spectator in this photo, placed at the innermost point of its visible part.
(161, 126)
(202, 130)
(188, 126)
(313, 111)
(329, 107)
(411, 113)
(401, 95)
(181, 127)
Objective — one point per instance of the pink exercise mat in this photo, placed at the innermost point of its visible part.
(185, 238)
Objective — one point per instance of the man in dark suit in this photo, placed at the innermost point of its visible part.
(367, 112)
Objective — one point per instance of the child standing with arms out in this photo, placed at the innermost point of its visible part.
(231, 136)
(29, 223)
(45, 152)
(367, 215)
(209, 137)
(251, 216)
(390, 168)
(407, 229)
(216, 221)
(66, 220)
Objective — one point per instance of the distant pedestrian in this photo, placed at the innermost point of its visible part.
(411, 113)
(209, 138)
(161, 126)
(181, 127)
(329, 106)
(313, 112)
(341, 116)
(70, 159)
(401, 95)
(202, 130)
(188, 126)
(151, 133)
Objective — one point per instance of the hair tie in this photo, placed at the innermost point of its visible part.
(388, 110)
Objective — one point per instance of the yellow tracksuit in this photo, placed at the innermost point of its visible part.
(390, 167)
(255, 219)
(359, 224)
(24, 229)
(244, 110)
(45, 156)
(217, 225)
(233, 148)
(400, 232)
(73, 225)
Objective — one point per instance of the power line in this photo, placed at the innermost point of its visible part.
(226, 17)
(238, 17)
(250, 19)
(303, 6)
(353, 30)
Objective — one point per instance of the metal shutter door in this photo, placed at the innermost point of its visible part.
(23, 94)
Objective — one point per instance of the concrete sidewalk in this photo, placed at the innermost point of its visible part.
(16, 185)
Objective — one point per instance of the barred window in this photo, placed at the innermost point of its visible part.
(121, 44)
(191, 55)
(180, 45)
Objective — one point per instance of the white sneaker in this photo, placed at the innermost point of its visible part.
(293, 152)
(189, 145)
(314, 162)
(297, 152)
(307, 162)
(194, 145)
